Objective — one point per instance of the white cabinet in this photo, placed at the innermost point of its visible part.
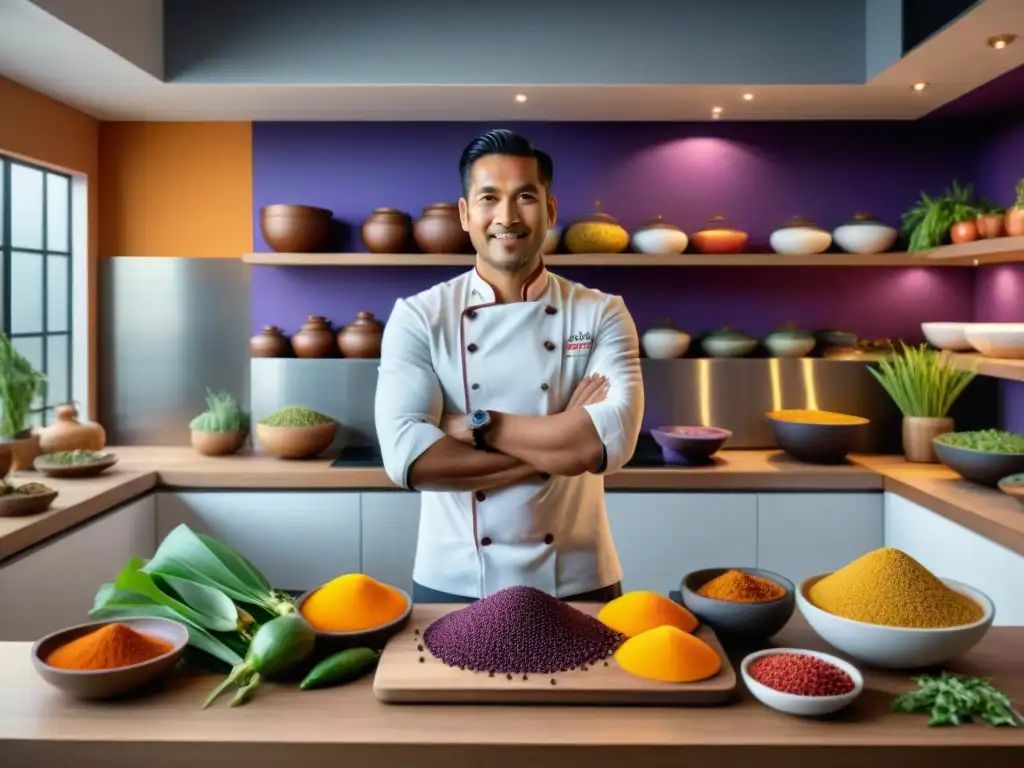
(799, 534)
(390, 524)
(53, 585)
(298, 539)
(951, 551)
(662, 536)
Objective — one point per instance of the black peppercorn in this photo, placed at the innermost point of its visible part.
(419, 647)
(552, 681)
(415, 631)
(421, 659)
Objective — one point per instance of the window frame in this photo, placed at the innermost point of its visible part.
(41, 415)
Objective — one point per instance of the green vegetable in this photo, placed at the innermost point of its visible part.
(927, 224)
(295, 416)
(76, 458)
(20, 384)
(955, 699)
(222, 415)
(341, 667)
(276, 646)
(922, 381)
(985, 440)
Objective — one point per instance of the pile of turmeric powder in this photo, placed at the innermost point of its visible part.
(735, 586)
(109, 647)
(352, 603)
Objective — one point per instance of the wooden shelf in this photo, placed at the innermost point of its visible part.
(996, 251)
(999, 368)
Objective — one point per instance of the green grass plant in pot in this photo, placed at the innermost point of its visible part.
(296, 432)
(20, 384)
(931, 222)
(924, 385)
(222, 428)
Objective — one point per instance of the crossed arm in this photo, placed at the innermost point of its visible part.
(424, 448)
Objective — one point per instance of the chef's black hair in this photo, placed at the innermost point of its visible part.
(502, 141)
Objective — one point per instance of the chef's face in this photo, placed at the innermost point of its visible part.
(507, 211)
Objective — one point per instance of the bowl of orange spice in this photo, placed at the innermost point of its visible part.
(104, 659)
(750, 603)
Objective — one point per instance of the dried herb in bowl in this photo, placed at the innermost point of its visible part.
(25, 489)
(985, 441)
(75, 458)
(951, 699)
(295, 416)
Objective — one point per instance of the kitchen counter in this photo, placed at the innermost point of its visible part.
(348, 726)
(144, 468)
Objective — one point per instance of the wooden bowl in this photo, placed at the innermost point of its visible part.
(219, 443)
(296, 442)
(16, 505)
(107, 683)
(53, 469)
(295, 228)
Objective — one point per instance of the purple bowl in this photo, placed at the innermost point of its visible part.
(690, 445)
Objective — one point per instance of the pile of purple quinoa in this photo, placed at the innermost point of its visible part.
(520, 630)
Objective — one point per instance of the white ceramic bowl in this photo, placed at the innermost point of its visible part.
(897, 647)
(800, 241)
(865, 237)
(950, 336)
(1004, 340)
(791, 703)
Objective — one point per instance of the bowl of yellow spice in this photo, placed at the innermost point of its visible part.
(751, 603)
(887, 610)
(817, 437)
(354, 611)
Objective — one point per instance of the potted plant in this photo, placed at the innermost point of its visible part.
(935, 220)
(924, 385)
(1015, 216)
(20, 384)
(220, 430)
(991, 219)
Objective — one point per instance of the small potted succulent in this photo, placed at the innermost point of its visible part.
(924, 385)
(20, 384)
(222, 428)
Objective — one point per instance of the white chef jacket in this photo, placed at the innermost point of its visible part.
(453, 349)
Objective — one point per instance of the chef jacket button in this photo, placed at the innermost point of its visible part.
(470, 313)
(544, 386)
(550, 310)
(548, 539)
(476, 386)
(485, 541)
(549, 345)
(480, 495)
(472, 347)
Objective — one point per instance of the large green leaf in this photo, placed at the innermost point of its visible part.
(223, 618)
(183, 554)
(201, 598)
(237, 562)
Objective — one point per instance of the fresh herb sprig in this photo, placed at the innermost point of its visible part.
(951, 699)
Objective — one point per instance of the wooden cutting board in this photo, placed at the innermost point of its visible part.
(402, 678)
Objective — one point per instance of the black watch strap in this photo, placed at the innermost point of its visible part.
(479, 441)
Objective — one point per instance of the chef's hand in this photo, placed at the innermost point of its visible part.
(591, 389)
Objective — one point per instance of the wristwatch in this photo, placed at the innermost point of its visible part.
(479, 420)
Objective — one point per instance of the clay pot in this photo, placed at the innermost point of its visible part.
(6, 459)
(295, 228)
(270, 342)
(991, 225)
(314, 339)
(387, 230)
(964, 232)
(219, 443)
(362, 337)
(596, 232)
(439, 230)
(24, 448)
(718, 238)
(658, 236)
(67, 433)
(296, 442)
(918, 432)
(1015, 222)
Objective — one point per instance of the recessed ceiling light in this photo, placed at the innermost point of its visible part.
(748, 97)
(520, 97)
(1001, 41)
(716, 109)
(919, 86)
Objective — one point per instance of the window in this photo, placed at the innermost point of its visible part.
(36, 275)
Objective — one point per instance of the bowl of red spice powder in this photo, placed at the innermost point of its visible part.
(801, 682)
(104, 659)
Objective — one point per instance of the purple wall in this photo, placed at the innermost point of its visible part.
(755, 174)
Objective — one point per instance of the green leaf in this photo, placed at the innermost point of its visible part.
(133, 579)
(237, 562)
(203, 599)
(182, 547)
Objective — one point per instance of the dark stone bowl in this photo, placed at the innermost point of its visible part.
(978, 466)
(690, 445)
(817, 443)
(749, 621)
(328, 643)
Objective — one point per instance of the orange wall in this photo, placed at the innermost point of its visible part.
(38, 128)
(175, 189)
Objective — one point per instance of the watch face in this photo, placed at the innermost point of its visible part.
(479, 418)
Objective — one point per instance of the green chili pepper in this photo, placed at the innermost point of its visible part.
(341, 667)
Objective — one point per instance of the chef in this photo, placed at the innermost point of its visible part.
(504, 394)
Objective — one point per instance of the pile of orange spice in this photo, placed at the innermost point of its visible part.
(738, 587)
(109, 647)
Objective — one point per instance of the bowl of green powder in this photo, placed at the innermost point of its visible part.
(983, 456)
(296, 432)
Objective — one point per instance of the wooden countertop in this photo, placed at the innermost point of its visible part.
(348, 726)
(143, 468)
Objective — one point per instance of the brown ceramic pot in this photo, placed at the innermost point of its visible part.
(270, 342)
(24, 447)
(362, 337)
(219, 443)
(67, 433)
(314, 339)
(6, 459)
(387, 230)
(439, 230)
(295, 228)
(991, 225)
(964, 232)
(1015, 222)
(918, 432)
(296, 442)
